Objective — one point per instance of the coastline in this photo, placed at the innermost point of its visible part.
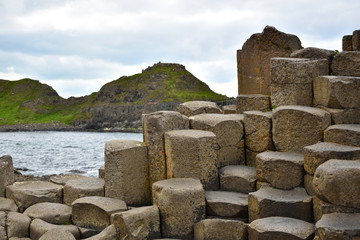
(35, 127)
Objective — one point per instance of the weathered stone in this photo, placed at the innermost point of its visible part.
(138, 223)
(229, 129)
(229, 109)
(83, 187)
(297, 70)
(3, 234)
(268, 202)
(126, 177)
(329, 91)
(17, 225)
(94, 212)
(346, 134)
(282, 170)
(192, 154)
(308, 184)
(346, 64)
(343, 116)
(260, 184)
(181, 202)
(347, 43)
(226, 204)
(88, 232)
(292, 80)
(251, 158)
(62, 179)
(39, 227)
(317, 154)
(356, 40)
(8, 205)
(281, 228)
(218, 229)
(258, 135)
(29, 193)
(295, 127)
(291, 94)
(55, 213)
(57, 234)
(338, 181)
(338, 226)
(233, 155)
(252, 102)
(6, 173)
(198, 107)
(238, 178)
(254, 59)
(102, 172)
(154, 127)
(313, 53)
(322, 207)
(108, 233)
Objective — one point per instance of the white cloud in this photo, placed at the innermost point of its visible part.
(74, 41)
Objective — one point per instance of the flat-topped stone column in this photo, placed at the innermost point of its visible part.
(268, 202)
(283, 170)
(154, 126)
(6, 173)
(338, 226)
(252, 102)
(346, 63)
(218, 229)
(346, 134)
(292, 80)
(192, 108)
(126, 172)
(238, 178)
(338, 181)
(295, 127)
(29, 193)
(258, 131)
(83, 187)
(317, 154)
(229, 131)
(55, 213)
(95, 212)
(138, 223)
(192, 154)
(281, 228)
(329, 91)
(181, 202)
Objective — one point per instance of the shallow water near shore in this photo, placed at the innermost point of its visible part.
(47, 152)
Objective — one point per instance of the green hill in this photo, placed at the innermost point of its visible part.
(29, 101)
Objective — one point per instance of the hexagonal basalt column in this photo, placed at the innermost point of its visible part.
(192, 154)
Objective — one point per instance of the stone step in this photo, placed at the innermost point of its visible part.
(317, 154)
(337, 182)
(29, 193)
(219, 229)
(280, 228)
(346, 63)
(329, 91)
(252, 102)
(338, 226)
(238, 178)
(295, 127)
(269, 202)
(224, 204)
(283, 170)
(346, 134)
(55, 213)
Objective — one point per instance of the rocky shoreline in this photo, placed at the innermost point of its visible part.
(33, 127)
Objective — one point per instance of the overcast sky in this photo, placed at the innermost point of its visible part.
(76, 46)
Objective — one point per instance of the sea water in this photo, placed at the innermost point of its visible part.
(46, 153)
